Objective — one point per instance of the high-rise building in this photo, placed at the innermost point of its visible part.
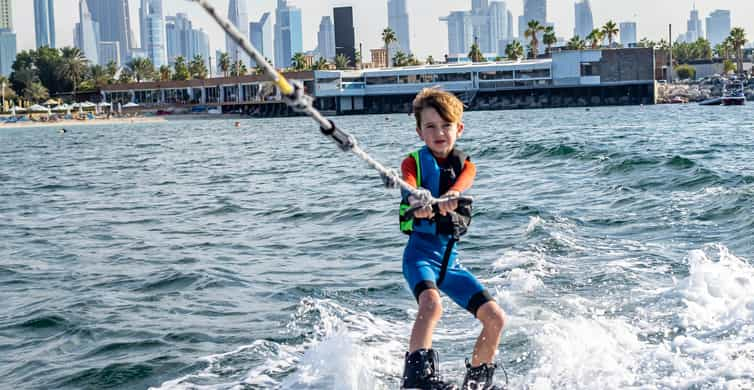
(238, 14)
(153, 28)
(510, 26)
(114, 22)
(584, 19)
(87, 34)
(460, 32)
(628, 35)
(480, 22)
(262, 36)
(326, 38)
(397, 20)
(718, 26)
(44, 23)
(178, 30)
(533, 10)
(200, 46)
(288, 33)
(694, 28)
(7, 51)
(498, 27)
(345, 37)
(6, 15)
(109, 52)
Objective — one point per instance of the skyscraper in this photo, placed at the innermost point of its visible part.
(718, 26)
(7, 51)
(498, 27)
(109, 52)
(628, 34)
(200, 46)
(153, 28)
(87, 34)
(44, 23)
(288, 34)
(238, 14)
(480, 22)
(6, 15)
(694, 28)
(533, 10)
(326, 38)
(114, 22)
(345, 37)
(584, 19)
(262, 36)
(397, 20)
(182, 40)
(460, 32)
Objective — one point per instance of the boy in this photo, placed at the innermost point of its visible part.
(430, 258)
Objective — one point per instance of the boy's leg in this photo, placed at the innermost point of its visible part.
(430, 310)
(493, 321)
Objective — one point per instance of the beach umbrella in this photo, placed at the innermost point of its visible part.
(38, 108)
(19, 109)
(88, 105)
(61, 107)
(105, 104)
(130, 105)
(51, 102)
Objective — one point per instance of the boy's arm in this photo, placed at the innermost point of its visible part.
(465, 179)
(408, 168)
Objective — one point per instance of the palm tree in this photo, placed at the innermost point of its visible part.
(738, 40)
(126, 76)
(388, 37)
(238, 69)
(224, 63)
(532, 32)
(181, 69)
(576, 43)
(610, 30)
(99, 76)
(724, 49)
(112, 70)
(400, 59)
(595, 38)
(73, 65)
(198, 68)
(549, 38)
(141, 69)
(36, 92)
(514, 51)
(475, 54)
(320, 64)
(165, 73)
(341, 61)
(298, 62)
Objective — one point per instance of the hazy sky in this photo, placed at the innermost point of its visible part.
(428, 34)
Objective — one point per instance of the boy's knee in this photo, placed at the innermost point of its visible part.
(492, 316)
(430, 303)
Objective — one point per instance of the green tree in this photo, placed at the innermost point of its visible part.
(514, 51)
(239, 69)
(400, 59)
(36, 92)
(224, 64)
(112, 70)
(475, 54)
(341, 61)
(198, 68)
(729, 66)
(595, 38)
(549, 38)
(181, 69)
(388, 37)
(321, 64)
(532, 32)
(99, 76)
(576, 43)
(165, 73)
(412, 60)
(685, 72)
(646, 43)
(298, 62)
(609, 31)
(141, 69)
(126, 76)
(47, 65)
(724, 49)
(430, 60)
(738, 40)
(73, 66)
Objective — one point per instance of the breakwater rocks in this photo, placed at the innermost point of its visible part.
(697, 92)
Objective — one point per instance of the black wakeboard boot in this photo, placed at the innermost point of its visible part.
(422, 371)
(481, 378)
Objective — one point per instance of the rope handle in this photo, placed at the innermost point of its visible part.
(463, 200)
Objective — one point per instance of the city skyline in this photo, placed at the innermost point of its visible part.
(371, 17)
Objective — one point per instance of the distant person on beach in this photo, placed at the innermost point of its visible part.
(430, 259)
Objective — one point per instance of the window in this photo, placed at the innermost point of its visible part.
(499, 75)
(450, 77)
(533, 74)
(380, 80)
(590, 69)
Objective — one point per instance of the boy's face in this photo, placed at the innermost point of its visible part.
(439, 134)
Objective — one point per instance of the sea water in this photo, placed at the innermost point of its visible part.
(198, 255)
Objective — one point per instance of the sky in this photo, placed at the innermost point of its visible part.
(428, 34)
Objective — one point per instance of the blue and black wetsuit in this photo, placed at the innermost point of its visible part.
(430, 260)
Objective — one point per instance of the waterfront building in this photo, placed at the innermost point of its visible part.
(8, 51)
(345, 39)
(584, 19)
(109, 52)
(262, 36)
(718, 26)
(114, 23)
(288, 33)
(694, 28)
(326, 38)
(460, 32)
(44, 23)
(628, 36)
(238, 15)
(379, 58)
(6, 15)
(87, 34)
(397, 20)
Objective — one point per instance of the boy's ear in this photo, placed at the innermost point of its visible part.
(419, 133)
(460, 129)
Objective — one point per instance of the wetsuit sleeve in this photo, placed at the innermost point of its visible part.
(408, 168)
(465, 179)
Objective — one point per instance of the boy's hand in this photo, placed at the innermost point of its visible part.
(424, 212)
(449, 205)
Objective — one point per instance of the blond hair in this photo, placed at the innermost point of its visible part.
(447, 105)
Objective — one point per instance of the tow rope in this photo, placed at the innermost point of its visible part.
(295, 97)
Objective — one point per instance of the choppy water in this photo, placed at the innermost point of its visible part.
(197, 255)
